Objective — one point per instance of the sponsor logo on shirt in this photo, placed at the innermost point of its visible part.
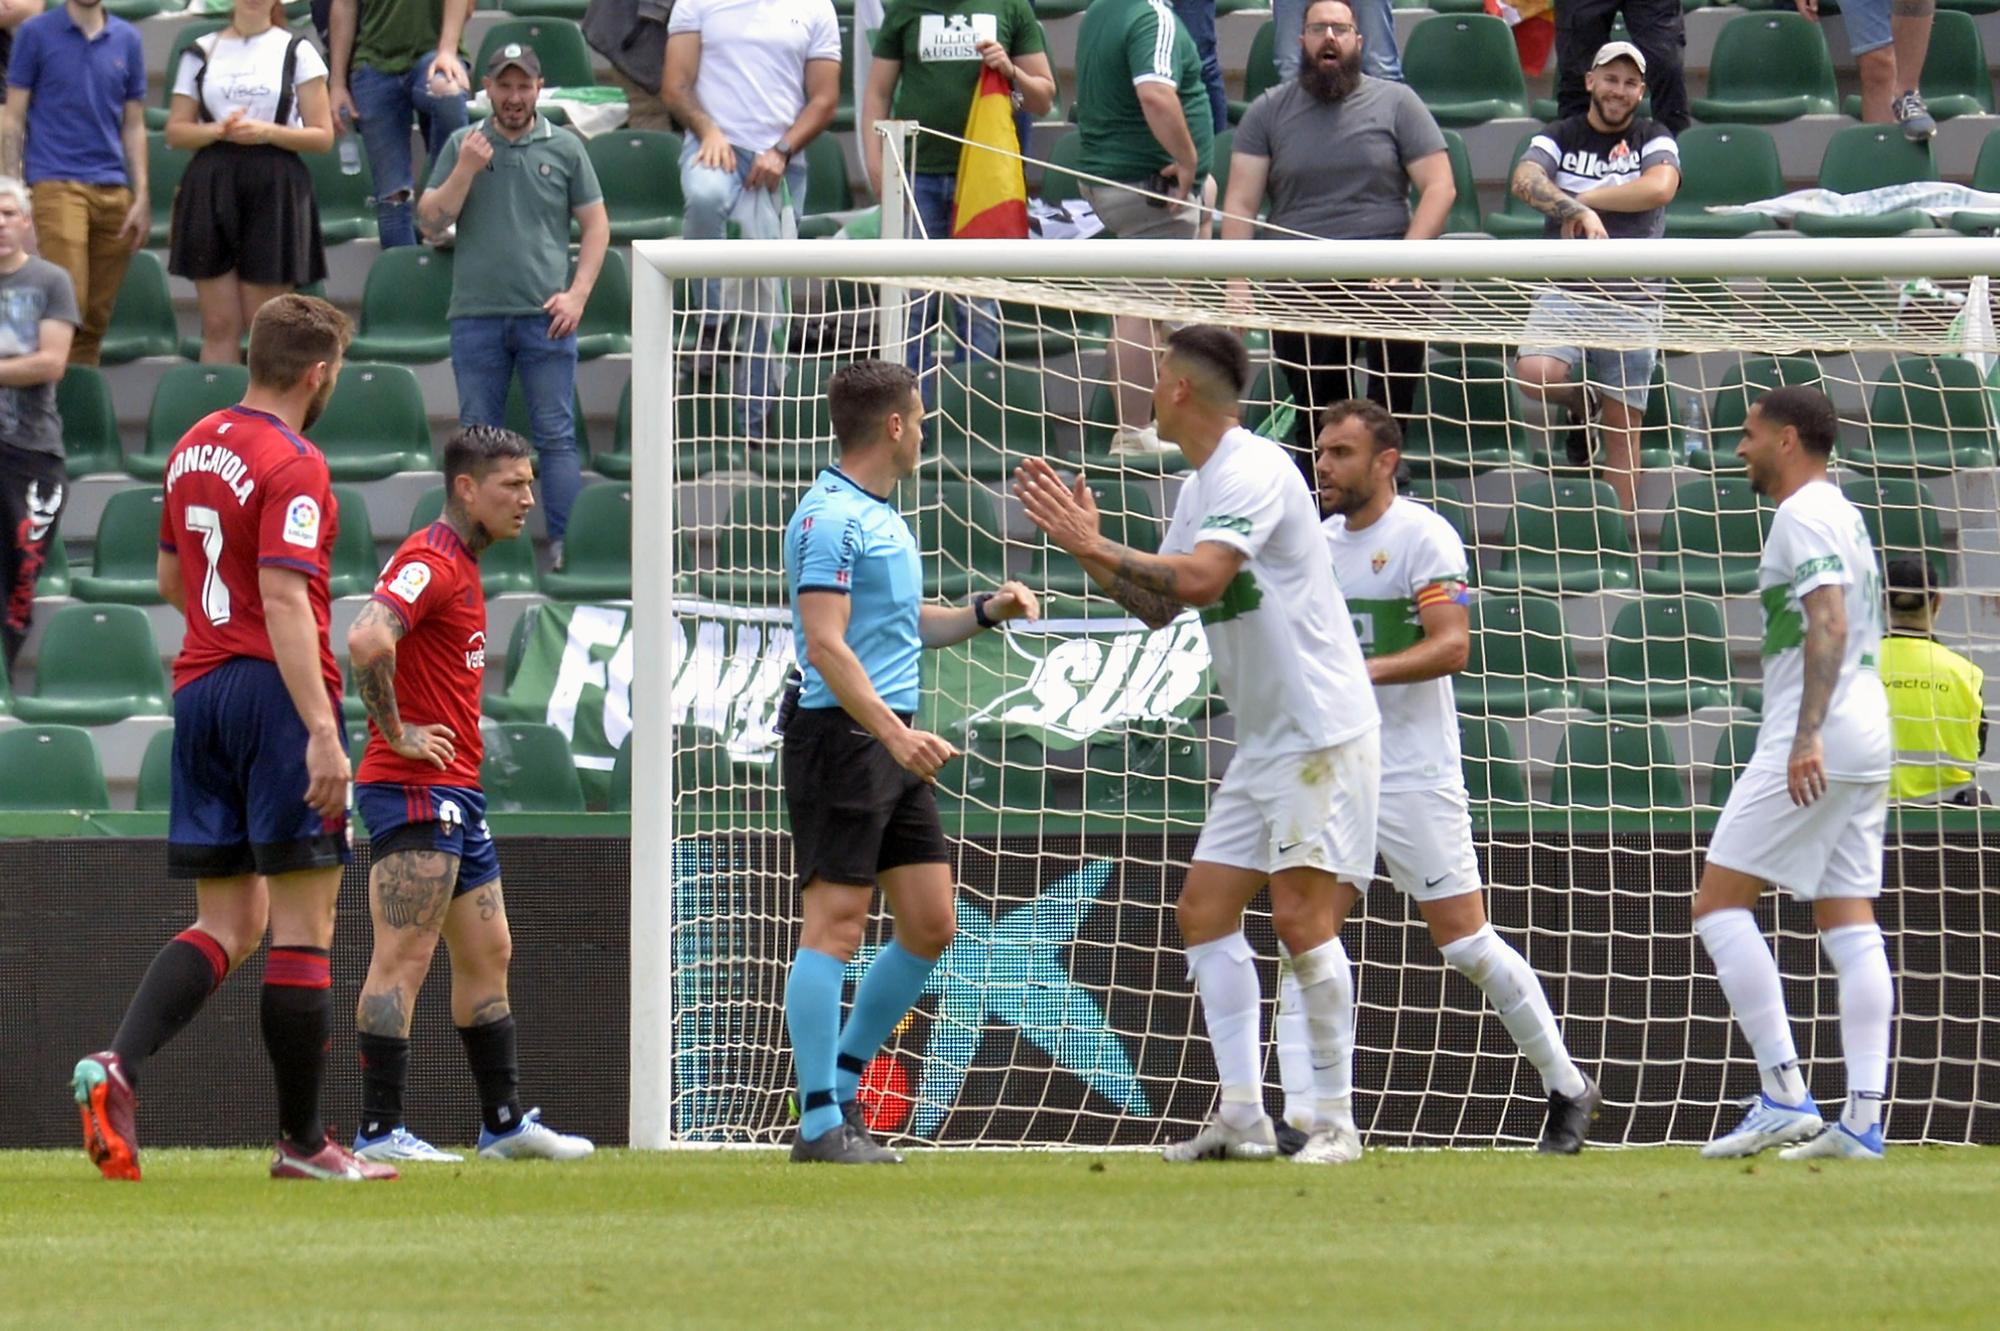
(475, 649)
(302, 522)
(410, 581)
(955, 36)
(1226, 522)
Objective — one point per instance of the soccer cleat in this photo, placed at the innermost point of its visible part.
(1291, 1140)
(1331, 1146)
(857, 1119)
(1767, 1124)
(331, 1163)
(399, 1143)
(1218, 1141)
(1914, 116)
(531, 1139)
(105, 1101)
(1568, 1125)
(1838, 1142)
(842, 1146)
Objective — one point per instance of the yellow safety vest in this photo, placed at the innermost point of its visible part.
(1934, 714)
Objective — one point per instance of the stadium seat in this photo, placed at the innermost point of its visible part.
(616, 462)
(164, 168)
(156, 116)
(1039, 333)
(1723, 164)
(505, 566)
(1520, 660)
(1515, 220)
(1711, 539)
(374, 424)
(125, 567)
(1493, 775)
(142, 319)
(562, 9)
(827, 187)
(185, 394)
(1768, 68)
(1467, 417)
(403, 307)
(597, 551)
(640, 171)
(1260, 69)
(50, 768)
(1929, 414)
(1742, 384)
(565, 56)
(1126, 515)
(700, 434)
(1732, 753)
(53, 582)
(89, 423)
(156, 773)
(1668, 656)
(749, 566)
(355, 565)
(99, 664)
(606, 328)
(1137, 771)
(1059, 182)
(1901, 519)
(1465, 68)
(1464, 215)
(987, 416)
(1445, 499)
(1986, 178)
(999, 771)
(958, 535)
(621, 779)
(1616, 764)
(528, 768)
(1565, 538)
(346, 203)
(1865, 157)
(1955, 81)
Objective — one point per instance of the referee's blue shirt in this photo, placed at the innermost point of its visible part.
(843, 539)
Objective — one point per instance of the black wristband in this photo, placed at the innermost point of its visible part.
(979, 611)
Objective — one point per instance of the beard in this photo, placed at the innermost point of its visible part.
(1603, 111)
(1330, 81)
(317, 407)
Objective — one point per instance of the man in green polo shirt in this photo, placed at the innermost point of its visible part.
(512, 184)
(390, 60)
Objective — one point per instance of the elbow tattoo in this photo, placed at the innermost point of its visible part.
(1533, 187)
(1149, 593)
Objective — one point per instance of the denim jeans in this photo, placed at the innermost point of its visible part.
(486, 353)
(1198, 17)
(1375, 18)
(712, 199)
(385, 103)
(975, 323)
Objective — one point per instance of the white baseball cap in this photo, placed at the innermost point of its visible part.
(1618, 50)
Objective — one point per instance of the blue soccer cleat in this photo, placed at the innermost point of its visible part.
(1839, 1142)
(399, 1143)
(531, 1139)
(1767, 1124)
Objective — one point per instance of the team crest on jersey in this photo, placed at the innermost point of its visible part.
(410, 581)
(1379, 560)
(302, 522)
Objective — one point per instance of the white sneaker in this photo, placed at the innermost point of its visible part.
(1838, 1142)
(401, 1144)
(1767, 1124)
(1141, 440)
(1331, 1146)
(1218, 1141)
(533, 1140)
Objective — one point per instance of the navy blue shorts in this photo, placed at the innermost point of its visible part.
(451, 819)
(239, 795)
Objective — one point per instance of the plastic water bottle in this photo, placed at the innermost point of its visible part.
(1694, 425)
(350, 156)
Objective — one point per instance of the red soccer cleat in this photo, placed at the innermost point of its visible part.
(105, 1101)
(332, 1163)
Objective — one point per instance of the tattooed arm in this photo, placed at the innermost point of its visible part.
(1532, 186)
(1824, 648)
(371, 652)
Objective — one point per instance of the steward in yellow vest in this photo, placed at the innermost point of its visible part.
(1936, 717)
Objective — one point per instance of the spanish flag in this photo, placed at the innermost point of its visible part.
(992, 193)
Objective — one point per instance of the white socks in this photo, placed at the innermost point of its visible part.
(1508, 982)
(1325, 979)
(1867, 1005)
(1225, 975)
(1295, 1064)
(1749, 977)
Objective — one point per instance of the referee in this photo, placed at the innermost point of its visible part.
(857, 774)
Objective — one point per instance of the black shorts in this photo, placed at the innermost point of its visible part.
(855, 812)
(247, 209)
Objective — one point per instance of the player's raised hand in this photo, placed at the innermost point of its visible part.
(1805, 775)
(327, 774)
(425, 744)
(1068, 515)
(1013, 601)
(920, 752)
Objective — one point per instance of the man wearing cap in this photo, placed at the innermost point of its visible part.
(1582, 28)
(512, 184)
(1937, 718)
(1603, 174)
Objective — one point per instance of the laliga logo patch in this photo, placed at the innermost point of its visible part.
(410, 581)
(302, 522)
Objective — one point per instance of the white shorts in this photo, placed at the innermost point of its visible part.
(1426, 840)
(1830, 848)
(1313, 810)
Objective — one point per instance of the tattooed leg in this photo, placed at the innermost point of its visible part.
(475, 929)
(409, 892)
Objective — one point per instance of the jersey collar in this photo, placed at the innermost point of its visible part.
(833, 469)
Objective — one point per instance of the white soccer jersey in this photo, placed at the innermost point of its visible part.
(1818, 540)
(1405, 560)
(1283, 648)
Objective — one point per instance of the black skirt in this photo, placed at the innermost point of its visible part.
(248, 209)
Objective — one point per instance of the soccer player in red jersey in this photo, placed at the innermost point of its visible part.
(260, 773)
(419, 655)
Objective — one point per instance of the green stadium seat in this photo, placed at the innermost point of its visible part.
(164, 168)
(1466, 69)
(355, 566)
(987, 416)
(528, 768)
(98, 664)
(606, 328)
(156, 773)
(827, 187)
(1986, 178)
(156, 116)
(749, 566)
(1955, 81)
(1616, 765)
(1741, 385)
(1059, 182)
(403, 307)
(958, 535)
(1136, 771)
(1865, 157)
(134, 10)
(1565, 538)
(53, 582)
(185, 394)
(1040, 333)
(1928, 415)
(1723, 164)
(1902, 519)
(125, 566)
(571, 10)
(50, 768)
(616, 461)
(999, 772)
(1711, 539)
(1515, 220)
(1467, 417)
(1520, 660)
(1126, 515)
(142, 319)
(1448, 502)
(1668, 656)
(504, 566)
(640, 171)
(597, 551)
(1732, 754)
(374, 424)
(1493, 775)
(702, 428)
(1768, 68)
(565, 56)
(89, 423)
(1260, 69)
(1464, 214)
(346, 203)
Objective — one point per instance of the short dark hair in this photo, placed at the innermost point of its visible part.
(1806, 410)
(1909, 583)
(290, 335)
(864, 394)
(1383, 432)
(474, 450)
(1215, 349)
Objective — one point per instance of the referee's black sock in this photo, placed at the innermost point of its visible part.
(490, 1053)
(385, 1071)
(297, 1012)
(183, 974)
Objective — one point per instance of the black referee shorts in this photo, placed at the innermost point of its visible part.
(855, 812)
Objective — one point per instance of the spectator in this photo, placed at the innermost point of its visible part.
(1582, 26)
(1198, 17)
(1141, 110)
(392, 59)
(75, 131)
(512, 186)
(1375, 18)
(1603, 173)
(248, 99)
(13, 13)
(1936, 715)
(928, 58)
(632, 35)
(754, 81)
(37, 319)
(1890, 40)
(1338, 152)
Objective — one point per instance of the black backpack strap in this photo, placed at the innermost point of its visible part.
(283, 115)
(200, 53)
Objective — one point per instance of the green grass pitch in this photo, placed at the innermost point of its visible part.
(1013, 1240)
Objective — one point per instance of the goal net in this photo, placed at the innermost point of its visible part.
(1611, 697)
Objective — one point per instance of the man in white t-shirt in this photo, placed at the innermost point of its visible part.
(1808, 812)
(1297, 806)
(1402, 570)
(754, 81)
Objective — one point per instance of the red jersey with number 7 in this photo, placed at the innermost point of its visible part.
(244, 493)
(432, 586)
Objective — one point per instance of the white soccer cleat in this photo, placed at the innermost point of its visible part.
(1140, 441)
(401, 1144)
(1838, 1142)
(533, 1140)
(1767, 1124)
(1331, 1146)
(1218, 1141)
